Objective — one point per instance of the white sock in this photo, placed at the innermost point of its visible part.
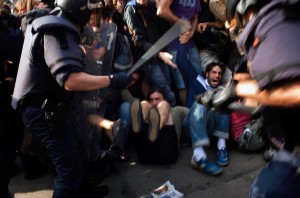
(221, 144)
(199, 153)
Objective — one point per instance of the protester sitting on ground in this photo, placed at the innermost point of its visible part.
(218, 9)
(185, 45)
(203, 122)
(145, 28)
(156, 139)
(211, 36)
(246, 131)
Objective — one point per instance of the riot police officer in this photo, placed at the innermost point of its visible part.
(270, 44)
(51, 68)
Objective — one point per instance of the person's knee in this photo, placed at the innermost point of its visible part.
(163, 104)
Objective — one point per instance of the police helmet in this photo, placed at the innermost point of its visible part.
(241, 6)
(78, 11)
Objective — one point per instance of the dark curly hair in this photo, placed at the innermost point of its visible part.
(156, 89)
(213, 64)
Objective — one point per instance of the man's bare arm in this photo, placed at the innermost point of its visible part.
(164, 11)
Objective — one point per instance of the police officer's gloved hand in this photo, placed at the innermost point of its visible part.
(206, 98)
(225, 96)
(119, 80)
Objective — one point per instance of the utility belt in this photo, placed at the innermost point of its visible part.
(36, 100)
(54, 110)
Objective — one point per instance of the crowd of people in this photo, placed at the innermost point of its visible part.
(48, 55)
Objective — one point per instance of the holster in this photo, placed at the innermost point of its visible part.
(54, 111)
(55, 114)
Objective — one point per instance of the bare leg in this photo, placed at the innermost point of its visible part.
(145, 110)
(164, 110)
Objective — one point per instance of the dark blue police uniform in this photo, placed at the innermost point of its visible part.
(271, 45)
(51, 51)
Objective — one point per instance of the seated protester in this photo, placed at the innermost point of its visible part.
(246, 131)
(199, 84)
(211, 34)
(145, 28)
(212, 37)
(155, 140)
(250, 135)
(203, 122)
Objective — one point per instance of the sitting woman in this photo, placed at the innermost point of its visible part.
(155, 136)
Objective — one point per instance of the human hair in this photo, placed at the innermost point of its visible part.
(156, 89)
(213, 64)
(5, 9)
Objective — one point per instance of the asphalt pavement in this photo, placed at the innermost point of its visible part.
(134, 179)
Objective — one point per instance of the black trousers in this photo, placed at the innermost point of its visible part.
(283, 123)
(163, 151)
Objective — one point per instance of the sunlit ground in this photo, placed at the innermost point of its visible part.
(36, 194)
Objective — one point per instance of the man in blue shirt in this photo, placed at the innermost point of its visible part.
(203, 121)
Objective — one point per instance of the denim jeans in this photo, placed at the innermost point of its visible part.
(194, 61)
(124, 115)
(66, 151)
(203, 122)
(280, 178)
(157, 74)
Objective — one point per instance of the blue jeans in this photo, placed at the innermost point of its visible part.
(202, 122)
(280, 178)
(66, 151)
(124, 115)
(194, 60)
(157, 74)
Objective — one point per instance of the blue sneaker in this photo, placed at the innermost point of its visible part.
(222, 158)
(206, 166)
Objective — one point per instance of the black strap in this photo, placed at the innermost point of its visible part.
(64, 59)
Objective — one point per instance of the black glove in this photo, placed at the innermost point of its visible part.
(119, 80)
(224, 97)
(206, 98)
